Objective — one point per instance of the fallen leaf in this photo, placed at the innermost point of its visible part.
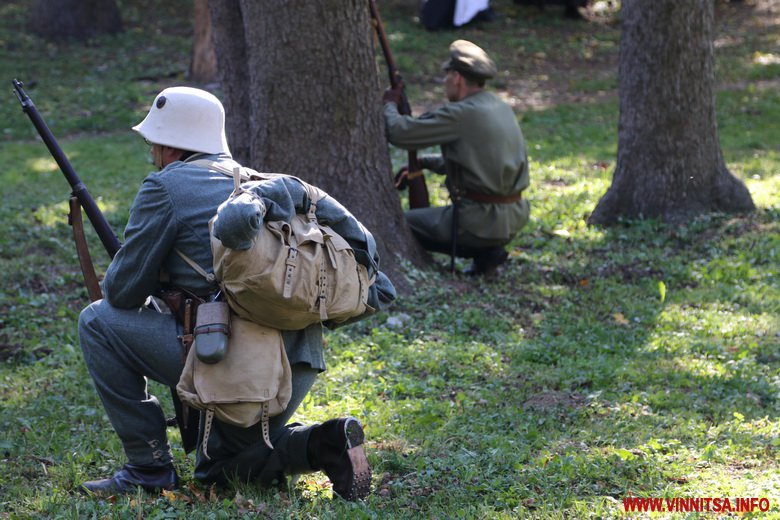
(619, 318)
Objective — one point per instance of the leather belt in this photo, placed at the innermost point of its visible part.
(492, 199)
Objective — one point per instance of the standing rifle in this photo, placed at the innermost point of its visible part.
(413, 176)
(80, 198)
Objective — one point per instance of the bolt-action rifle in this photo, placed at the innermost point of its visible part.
(80, 198)
(413, 176)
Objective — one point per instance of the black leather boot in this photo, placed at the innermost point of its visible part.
(336, 447)
(486, 262)
(130, 478)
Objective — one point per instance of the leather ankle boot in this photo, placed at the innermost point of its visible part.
(486, 263)
(130, 478)
(336, 447)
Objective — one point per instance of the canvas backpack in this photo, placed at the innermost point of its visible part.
(251, 384)
(295, 273)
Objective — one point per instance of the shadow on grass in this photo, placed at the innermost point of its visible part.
(568, 381)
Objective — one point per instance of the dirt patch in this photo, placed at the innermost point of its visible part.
(554, 399)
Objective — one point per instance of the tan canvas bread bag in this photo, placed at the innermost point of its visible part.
(250, 385)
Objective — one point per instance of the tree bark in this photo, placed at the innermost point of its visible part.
(669, 165)
(58, 20)
(203, 63)
(302, 97)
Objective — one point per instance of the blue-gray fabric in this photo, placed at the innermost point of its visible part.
(246, 209)
(171, 210)
(124, 342)
(122, 347)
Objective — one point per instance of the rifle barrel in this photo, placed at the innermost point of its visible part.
(395, 79)
(392, 70)
(103, 229)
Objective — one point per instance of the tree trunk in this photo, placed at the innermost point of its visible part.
(203, 63)
(669, 165)
(302, 97)
(58, 20)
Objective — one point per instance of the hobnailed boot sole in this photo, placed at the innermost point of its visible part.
(361, 471)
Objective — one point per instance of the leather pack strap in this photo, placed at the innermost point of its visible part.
(492, 199)
(265, 414)
(210, 278)
(250, 174)
(207, 432)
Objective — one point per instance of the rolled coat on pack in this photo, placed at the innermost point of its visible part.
(282, 197)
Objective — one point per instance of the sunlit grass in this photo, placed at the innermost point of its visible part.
(553, 391)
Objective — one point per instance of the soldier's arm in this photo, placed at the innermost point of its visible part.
(433, 128)
(149, 237)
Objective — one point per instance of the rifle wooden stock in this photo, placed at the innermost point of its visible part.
(79, 190)
(413, 178)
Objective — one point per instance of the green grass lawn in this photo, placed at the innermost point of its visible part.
(641, 360)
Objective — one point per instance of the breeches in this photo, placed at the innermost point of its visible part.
(433, 229)
(122, 348)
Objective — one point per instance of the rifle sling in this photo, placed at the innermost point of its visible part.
(82, 250)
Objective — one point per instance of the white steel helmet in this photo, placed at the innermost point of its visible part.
(186, 118)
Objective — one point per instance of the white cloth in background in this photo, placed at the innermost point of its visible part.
(465, 10)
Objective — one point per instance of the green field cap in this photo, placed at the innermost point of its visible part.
(470, 60)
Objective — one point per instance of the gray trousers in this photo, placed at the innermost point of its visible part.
(123, 347)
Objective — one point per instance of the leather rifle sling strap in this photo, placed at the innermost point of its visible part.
(82, 250)
(455, 194)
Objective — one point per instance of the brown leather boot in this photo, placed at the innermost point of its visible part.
(336, 447)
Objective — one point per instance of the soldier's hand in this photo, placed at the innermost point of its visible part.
(393, 95)
(402, 178)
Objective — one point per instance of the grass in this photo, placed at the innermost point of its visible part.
(637, 360)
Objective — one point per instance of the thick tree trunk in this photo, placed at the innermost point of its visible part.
(302, 97)
(203, 62)
(58, 20)
(669, 165)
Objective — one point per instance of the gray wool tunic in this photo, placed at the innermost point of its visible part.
(171, 211)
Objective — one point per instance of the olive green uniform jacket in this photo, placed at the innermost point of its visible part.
(483, 151)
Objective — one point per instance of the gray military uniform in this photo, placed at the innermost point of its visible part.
(482, 151)
(125, 342)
